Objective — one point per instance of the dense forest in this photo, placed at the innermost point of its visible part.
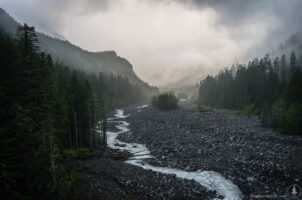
(165, 101)
(47, 108)
(272, 89)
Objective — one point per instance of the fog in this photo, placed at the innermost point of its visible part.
(165, 40)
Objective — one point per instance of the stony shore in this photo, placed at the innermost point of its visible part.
(260, 161)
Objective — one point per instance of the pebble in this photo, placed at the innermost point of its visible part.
(255, 158)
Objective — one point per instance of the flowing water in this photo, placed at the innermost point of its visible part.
(209, 179)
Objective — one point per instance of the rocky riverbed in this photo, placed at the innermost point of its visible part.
(261, 162)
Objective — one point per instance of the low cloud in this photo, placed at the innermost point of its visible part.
(167, 40)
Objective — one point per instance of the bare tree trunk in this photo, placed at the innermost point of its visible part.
(94, 124)
(80, 131)
(90, 130)
(76, 130)
(52, 153)
(104, 133)
(80, 138)
(44, 139)
(70, 141)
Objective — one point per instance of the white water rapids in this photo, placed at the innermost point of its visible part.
(209, 179)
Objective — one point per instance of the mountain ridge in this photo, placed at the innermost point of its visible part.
(75, 57)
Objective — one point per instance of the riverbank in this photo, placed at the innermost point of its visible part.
(258, 160)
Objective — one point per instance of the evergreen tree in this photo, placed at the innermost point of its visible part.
(283, 69)
(293, 64)
(260, 87)
(46, 109)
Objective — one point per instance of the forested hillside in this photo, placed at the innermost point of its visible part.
(63, 51)
(47, 108)
(272, 89)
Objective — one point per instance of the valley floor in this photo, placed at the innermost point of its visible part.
(261, 162)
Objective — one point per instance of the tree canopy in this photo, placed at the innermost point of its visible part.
(272, 89)
(47, 108)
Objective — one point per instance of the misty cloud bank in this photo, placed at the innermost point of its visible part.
(167, 40)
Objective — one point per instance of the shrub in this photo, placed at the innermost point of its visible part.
(203, 109)
(292, 119)
(80, 152)
(165, 101)
(248, 110)
(271, 113)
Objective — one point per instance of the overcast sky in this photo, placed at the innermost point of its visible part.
(167, 39)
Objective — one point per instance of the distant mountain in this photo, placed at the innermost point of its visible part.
(77, 58)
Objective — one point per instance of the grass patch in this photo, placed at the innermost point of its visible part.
(248, 110)
(203, 109)
(80, 152)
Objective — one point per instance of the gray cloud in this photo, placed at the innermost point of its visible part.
(287, 13)
(231, 12)
(234, 12)
(47, 15)
(284, 16)
(166, 40)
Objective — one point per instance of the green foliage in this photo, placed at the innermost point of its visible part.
(165, 101)
(46, 108)
(250, 109)
(81, 151)
(272, 113)
(292, 119)
(273, 90)
(203, 109)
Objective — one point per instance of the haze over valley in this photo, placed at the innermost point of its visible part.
(167, 41)
(150, 99)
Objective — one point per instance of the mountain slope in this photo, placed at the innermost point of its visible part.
(77, 58)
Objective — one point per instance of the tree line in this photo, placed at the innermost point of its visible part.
(165, 101)
(270, 88)
(45, 109)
